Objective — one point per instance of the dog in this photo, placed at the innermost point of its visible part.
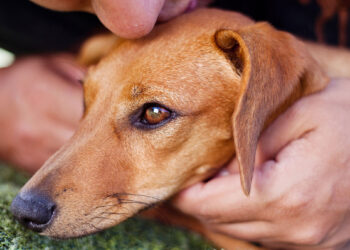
(164, 112)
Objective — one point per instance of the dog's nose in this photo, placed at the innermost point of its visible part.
(33, 210)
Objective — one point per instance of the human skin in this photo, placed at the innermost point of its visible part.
(41, 104)
(300, 197)
(127, 19)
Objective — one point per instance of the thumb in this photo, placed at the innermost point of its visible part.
(128, 19)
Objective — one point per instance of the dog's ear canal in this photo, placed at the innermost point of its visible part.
(275, 71)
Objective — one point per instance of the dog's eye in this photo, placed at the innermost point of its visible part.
(155, 114)
(151, 116)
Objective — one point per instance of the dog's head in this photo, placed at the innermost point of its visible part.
(166, 111)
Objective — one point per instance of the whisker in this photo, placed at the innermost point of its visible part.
(117, 195)
(142, 195)
(90, 225)
(93, 226)
(102, 218)
(133, 202)
(111, 213)
(110, 205)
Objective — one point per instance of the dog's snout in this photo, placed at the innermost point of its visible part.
(33, 210)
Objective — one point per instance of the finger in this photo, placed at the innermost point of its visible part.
(249, 231)
(219, 200)
(293, 124)
(128, 19)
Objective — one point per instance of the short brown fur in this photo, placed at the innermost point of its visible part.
(226, 77)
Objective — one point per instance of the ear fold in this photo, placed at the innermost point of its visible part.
(275, 70)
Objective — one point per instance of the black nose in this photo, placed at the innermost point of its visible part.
(33, 210)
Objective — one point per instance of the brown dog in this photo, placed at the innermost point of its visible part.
(166, 111)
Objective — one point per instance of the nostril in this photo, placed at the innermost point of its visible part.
(37, 219)
(33, 210)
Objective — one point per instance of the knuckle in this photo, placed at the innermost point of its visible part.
(295, 203)
(311, 236)
(186, 205)
(206, 213)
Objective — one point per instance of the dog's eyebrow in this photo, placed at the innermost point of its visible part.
(136, 91)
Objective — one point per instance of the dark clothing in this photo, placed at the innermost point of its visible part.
(290, 15)
(27, 28)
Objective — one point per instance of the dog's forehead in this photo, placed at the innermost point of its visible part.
(180, 56)
(191, 63)
(184, 71)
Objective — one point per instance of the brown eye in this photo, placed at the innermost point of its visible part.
(151, 116)
(155, 114)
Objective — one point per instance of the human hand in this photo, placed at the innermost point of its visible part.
(41, 103)
(127, 19)
(300, 195)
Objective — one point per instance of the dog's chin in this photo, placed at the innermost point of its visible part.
(69, 229)
(59, 236)
(62, 229)
(71, 233)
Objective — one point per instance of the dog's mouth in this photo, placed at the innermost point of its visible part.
(111, 210)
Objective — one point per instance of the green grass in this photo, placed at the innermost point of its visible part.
(135, 233)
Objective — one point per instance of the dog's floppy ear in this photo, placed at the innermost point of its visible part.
(275, 71)
(96, 47)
